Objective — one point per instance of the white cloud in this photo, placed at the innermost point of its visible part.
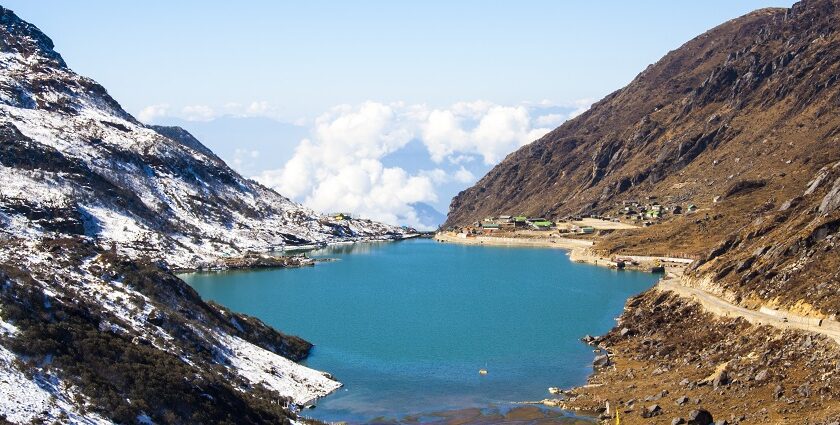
(581, 105)
(340, 167)
(437, 175)
(464, 176)
(551, 120)
(461, 159)
(480, 128)
(244, 160)
(198, 113)
(149, 113)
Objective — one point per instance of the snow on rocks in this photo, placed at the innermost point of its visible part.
(6, 328)
(191, 207)
(76, 166)
(41, 399)
(279, 374)
(137, 181)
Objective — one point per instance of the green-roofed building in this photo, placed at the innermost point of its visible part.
(542, 225)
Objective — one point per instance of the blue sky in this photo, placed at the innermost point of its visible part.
(277, 72)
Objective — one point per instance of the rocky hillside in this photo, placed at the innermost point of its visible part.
(741, 121)
(68, 150)
(95, 209)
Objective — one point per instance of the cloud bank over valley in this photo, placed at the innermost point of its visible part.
(391, 162)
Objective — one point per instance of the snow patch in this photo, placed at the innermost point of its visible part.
(38, 400)
(277, 373)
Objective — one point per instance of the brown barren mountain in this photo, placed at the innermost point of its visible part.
(748, 112)
(744, 122)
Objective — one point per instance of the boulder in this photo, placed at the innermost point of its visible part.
(804, 390)
(762, 375)
(831, 201)
(677, 421)
(601, 361)
(778, 392)
(722, 379)
(682, 400)
(700, 417)
(651, 411)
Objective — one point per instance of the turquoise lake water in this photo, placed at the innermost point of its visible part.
(406, 326)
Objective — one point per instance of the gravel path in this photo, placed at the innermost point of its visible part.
(776, 318)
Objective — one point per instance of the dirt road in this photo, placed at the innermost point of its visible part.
(776, 318)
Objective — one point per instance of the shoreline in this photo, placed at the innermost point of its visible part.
(587, 399)
(553, 242)
(579, 251)
(278, 259)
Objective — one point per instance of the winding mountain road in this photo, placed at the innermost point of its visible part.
(779, 319)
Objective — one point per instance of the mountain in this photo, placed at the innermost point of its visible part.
(743, 121)
(428, 216)
(250, 144)
(95, 210)
(669, 125)
(70, 149)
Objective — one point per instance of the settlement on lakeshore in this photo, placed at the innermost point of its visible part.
(576, 233)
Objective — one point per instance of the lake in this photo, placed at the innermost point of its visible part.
(406, 326)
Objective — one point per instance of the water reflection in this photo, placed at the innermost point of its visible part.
(351, 248)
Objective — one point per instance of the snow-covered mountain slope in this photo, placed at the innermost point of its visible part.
(68, 145)
(95, 210)
(90, 336)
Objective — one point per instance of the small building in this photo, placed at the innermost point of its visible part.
(691, 208)
(586, 230)
(676, 209)
(490, 226)
(520, 221)
(341, 216)
(542, 225)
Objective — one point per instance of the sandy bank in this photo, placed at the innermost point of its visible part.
(550, 242)
(599, 224)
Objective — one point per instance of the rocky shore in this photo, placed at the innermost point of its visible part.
(251, 261)
(655, 367)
